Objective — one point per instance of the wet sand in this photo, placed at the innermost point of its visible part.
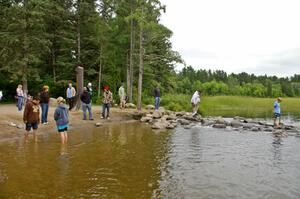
(9, 114)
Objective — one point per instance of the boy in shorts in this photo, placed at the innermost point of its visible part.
(277, 112)
(31, 117)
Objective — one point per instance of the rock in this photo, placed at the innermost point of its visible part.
(236, 123)
(146, 119)
(160, 125)
(268, 129)
(98, 124)
(220, 121)
(171, 117)
(219, 126)
(179, 114)
(115, 105)
(238, 118)
(20, 126)
(207, 122)
(168, 112)
(255, 128)
(150, 107)
(248, 126)
(187, 127)
(183, 121)
(157, 115)
(138, 115)
(170, 126)
(190, 118)
(162, 110)
(149, 115)
(52, 102)
(289, 127)
(12, 124)
(130, 105)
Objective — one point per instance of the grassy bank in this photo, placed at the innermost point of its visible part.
(229, 106)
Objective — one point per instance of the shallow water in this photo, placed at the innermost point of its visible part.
(131, 161)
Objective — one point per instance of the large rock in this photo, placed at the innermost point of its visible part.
(236, 123)
(157, 114)
(180, 114)
(207, 122)
(130, 105)
(150, 107)
(183, 121)
(248, 126)
(172, 117)
(220, 121)
(219, 126)
(146, 119)
(138, 115)
(162, 110)
(160, 124)
(170, 126)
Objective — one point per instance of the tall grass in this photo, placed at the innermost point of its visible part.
(229, 106)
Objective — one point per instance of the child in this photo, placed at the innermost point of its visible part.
(107, 100)
(277, 112)
(195, 102)
(61, 116)
(31, 117)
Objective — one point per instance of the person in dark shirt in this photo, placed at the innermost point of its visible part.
(31, 117)
(44, 101)
(86, 103)
(156, 97)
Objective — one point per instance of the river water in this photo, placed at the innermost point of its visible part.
(131, 161)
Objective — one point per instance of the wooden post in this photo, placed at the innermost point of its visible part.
(79, 85)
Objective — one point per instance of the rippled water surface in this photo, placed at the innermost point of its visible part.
(131, 161)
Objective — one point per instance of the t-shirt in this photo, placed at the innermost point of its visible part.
(277, 107)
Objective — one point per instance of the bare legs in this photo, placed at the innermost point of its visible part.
(64, 137)
(26, 135)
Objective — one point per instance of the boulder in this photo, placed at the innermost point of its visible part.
(183, 122)
(219, 126)
(130, 105)
(157, 115)
(268, 129)
(170, 126)
(220, 121)
(162, 110)
(138, 115)
(255, 129)
(171, 117)
(248, 126)
(146, 119)
(179, 114)
(98, 124)
(236, 123)
(207, 122)
(190, 117)
(168, 112)
(150, 107)
(159, 125)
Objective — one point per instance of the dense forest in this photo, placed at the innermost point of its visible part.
(43, 41)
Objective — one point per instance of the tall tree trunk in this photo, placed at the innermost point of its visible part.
(132, 37)
(25, 52)
(53, 63)
(78, 32)
(100, 73)
(141, 67)
(128, 74)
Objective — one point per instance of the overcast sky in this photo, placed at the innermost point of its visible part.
(255, 36)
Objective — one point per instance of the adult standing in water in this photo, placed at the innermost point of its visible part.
(195, 101)
(20, 97)
(107, 100)
(277, 112)
(44, 102)
(61, 116)
(86, 103)
(156, 97)
(71, 93)
(122, 96)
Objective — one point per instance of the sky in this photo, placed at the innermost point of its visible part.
(253, 36)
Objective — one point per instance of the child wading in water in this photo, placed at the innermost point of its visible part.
(61, 116)
(31, 117)
(277, 112)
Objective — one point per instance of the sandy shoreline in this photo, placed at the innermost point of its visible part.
(9, 114)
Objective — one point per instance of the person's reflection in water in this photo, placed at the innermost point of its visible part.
(277, 144)
(63, 149)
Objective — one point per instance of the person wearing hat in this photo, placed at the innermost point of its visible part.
(107, 100)
(277, 112)
(86, 103)
(61, 117)
(44, 101)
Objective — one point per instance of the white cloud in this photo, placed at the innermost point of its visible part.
(235, 35)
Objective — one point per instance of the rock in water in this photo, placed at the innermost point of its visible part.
(219, 126)
(146, 119)
(157, 115)
(98, 124)
(236, 123)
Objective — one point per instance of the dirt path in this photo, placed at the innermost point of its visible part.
(10, 115)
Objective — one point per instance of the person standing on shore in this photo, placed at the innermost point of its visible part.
(71, 93)
(107, 100)
(44, 101)
(61, 117)
(195, 101)
(1, 95)
(156, 93)
(277, 112)
(90, 90)
(20, 97)
(122, 96)
(31, 117)
(86, 103)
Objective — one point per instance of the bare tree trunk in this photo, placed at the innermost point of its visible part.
(53, 62)
(100, 73)
(141, 67)
(78, 31)
(128, 75)
(132, 37)
(25, 53)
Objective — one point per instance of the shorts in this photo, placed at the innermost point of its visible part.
(276, 115)
(34, 126)
(62, 128)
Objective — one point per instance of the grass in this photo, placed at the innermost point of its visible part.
(230, 106)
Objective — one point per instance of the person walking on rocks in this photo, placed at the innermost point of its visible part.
(156, 97)
(31, 117)
(44, 101)
(107, 100)
(122, 96)
(61, 117)
(277, 112)
(20, 97)
(195, 101)
(71, 93)
(86, 103)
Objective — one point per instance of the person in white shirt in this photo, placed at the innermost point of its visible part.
(195, 101)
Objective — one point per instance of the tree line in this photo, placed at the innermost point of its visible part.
(43, 41)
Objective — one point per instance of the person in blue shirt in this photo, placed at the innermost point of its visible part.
(277, 112)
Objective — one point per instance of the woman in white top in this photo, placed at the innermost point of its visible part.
(20, 96)
(195, 102)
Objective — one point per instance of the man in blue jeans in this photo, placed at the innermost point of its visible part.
(156, 98)
(86, 103)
